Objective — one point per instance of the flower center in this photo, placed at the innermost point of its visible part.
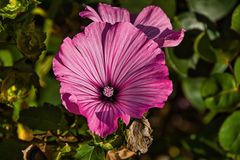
(108, 91)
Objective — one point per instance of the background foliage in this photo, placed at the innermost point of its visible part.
(200, 121)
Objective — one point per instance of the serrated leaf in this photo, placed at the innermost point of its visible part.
(235, 24)
(10, 9)
(87, 152)
(237, 70)
(42, 118)
(213, 9)
(30, 41)
(220, 92)
(192, 90)
(229, 134)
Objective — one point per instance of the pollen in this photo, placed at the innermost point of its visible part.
(108, 91)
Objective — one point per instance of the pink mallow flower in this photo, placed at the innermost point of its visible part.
(151, 20)
(115, 70)
(111, 72)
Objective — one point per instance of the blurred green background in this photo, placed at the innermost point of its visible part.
(201, 120)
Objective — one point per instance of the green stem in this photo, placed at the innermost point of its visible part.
(208, 118)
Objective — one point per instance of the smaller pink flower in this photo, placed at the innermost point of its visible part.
(151, 20)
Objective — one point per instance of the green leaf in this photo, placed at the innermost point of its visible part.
(66, 149)
(135, 6)
(42, 118)
(50, 92)
(10, 9)
(181, 66)
(219, 67)
(202, 46)
(235, 24)
(220, 92)
(213, 9)
(2, 27)
(10, 150)
(169, 6)
(16, 85)
(189, 21)
(6, 58)
(53, 43)
(30, 41)
(229, 134)
(237, 70)
(226, 49)
(192, 90)
(87, 152)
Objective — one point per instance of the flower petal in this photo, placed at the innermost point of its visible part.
(170, 38)
(125, 48)
(90, 13)
(69, 62)
(148, 87)
(102, 117)
(69, 101)
(152, 21)
(80, 74)
(137, 67)
(156, 25)
(113, 14)
(106, 13)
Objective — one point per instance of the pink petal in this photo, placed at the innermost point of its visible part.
(148, 87)
(72, 85)
(73, 61)
(136, 65)
(113, 14)
(69, 102)
(79, 72)
(102, 118)
(106, 13)
(67, 76)
(126, 47)
(90, 13)
(170, 38)
(156, 25)
(152, 21)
